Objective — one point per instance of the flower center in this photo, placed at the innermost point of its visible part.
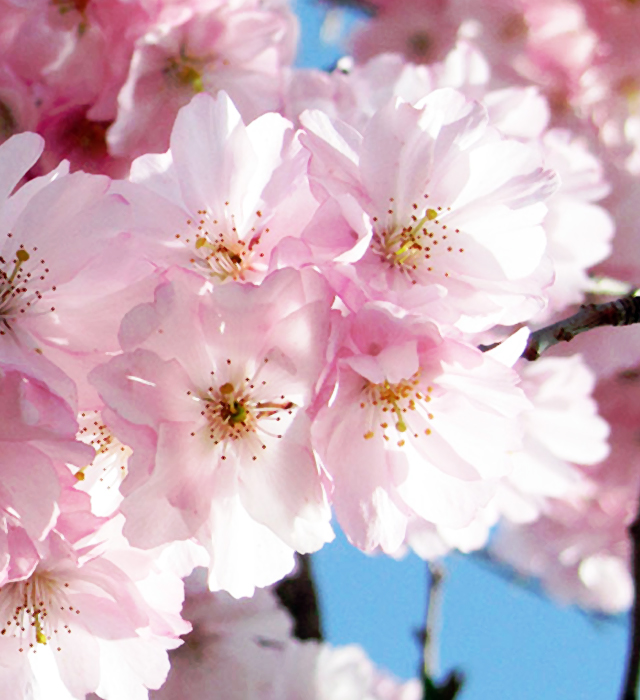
(18, 291)
(238, 412)
(183, 73)
(395, 402)
(419, 46)
(32, 610)
(221, 252)
(414, 250)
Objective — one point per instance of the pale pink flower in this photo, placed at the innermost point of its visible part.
(72, 59)
(348, 672)
(422, 32)
(221, 202)
(563, 436)
(240, 47)
(80, 622)
(238, 650)
(214, 386)
(431, 201)
(69, 270)
(419, 424)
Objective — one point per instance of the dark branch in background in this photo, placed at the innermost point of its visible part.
(297, 593)
(450, 687)
(434, 604)
(630, 690)
(621, 312)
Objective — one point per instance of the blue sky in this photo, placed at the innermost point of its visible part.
(511, 643)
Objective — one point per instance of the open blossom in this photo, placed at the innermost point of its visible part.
(224, 195)
(84, 620)
(422, 32)
(62, 65)
(431, 202)
(240, 47)
(420, 424)
(579, 230)
(213, 385)
(69, 269)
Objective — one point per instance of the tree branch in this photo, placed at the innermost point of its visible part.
(452, 684)
(434, 604)
(297, 593)
(621, 312)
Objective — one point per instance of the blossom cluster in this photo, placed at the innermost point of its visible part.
(238, 297)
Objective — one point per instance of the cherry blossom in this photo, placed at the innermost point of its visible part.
(392, 436)
(239, 47)
(221, 203)
(217, 381)
(80, 623)
(420, 203)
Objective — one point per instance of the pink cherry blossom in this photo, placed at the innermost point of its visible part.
(580, 547)
(580, 231)
(433, 199)
(420, 424)
(68, 268)
(238, 47)
(81, 621)
(423, 32)
(221, 203)
(214, 384)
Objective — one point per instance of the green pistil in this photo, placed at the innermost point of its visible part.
(237, 413)
(401, 426)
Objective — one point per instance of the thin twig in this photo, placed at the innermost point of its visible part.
(621, 312)
(630, 691)
(434, 604)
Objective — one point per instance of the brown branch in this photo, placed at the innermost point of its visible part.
(630, 690)
(297, 593)
(621, 312)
